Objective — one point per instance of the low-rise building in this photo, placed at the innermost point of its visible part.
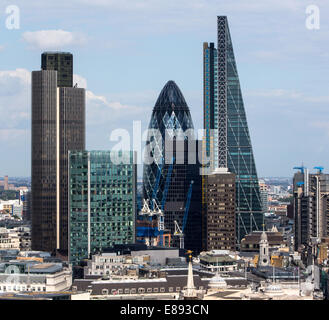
(9, 239)
(168, 287)
(250, 243)
(219, 261)
(33, 276)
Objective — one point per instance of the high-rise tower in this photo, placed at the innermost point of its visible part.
(174, 170)
(62, 62)
(102, 201)
(227, 139)
(58, 125)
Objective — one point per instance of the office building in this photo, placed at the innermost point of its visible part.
(62, 62)
(32, 276)
(263, 194)
(58, 125)
(173, 177)
(220, 211)
(310, 206)
(227, 138)
(102, 201)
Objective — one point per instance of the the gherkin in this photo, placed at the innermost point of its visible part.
(168, 178)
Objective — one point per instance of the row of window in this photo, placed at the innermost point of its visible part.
(21, 289)
(141, 290)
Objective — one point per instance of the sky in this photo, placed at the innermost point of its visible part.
(125, 51)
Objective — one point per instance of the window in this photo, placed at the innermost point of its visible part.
(120, 291)
(113, 291)
(177, 289)
(156, 290)
(141, 290)
(105, 291)
(133, 290)
(171, 289)
(127, 291)
(162, 289)
(149, 290)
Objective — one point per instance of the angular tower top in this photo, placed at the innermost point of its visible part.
(171, 97)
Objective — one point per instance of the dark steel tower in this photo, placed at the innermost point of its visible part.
(58, 125)
(62, 62)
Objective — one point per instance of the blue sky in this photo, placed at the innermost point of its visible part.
(125, 51)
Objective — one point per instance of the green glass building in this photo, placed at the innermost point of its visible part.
(102, 201)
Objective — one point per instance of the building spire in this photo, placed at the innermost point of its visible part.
(190, 289)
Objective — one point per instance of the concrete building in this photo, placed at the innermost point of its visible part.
(126, 260)
(113, 265)
(167, 287)
(310, 206)
(250, 243)
(218, 261)
(219, 211)
(9, 239)
(33, 276)
(263, 188)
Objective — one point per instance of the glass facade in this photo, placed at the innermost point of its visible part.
(102, 201)
(225, 113)
(168, 178)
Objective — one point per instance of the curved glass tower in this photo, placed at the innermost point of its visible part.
(170, 113)
(168, 178)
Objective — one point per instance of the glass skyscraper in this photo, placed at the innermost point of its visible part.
(227, 139)
(102, 201)
(168, 178)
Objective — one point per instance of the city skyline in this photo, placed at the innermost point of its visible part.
(123, 77)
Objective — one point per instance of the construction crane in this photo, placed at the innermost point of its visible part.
(150, 212)
(300, 168)
(320, 169)
(157, 182)
(180, 231)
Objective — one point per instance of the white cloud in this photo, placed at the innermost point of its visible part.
(94, 100)
(14, 99)
(53, 39)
